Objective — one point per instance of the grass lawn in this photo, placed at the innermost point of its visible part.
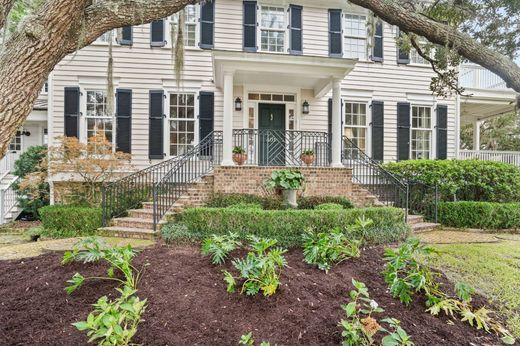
(492, 268)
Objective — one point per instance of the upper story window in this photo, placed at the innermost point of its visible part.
(190, 24)
(272, 29)
(355, 36)
(421, 132)
(98, 119)
(105, 38)
(181, 123)
(45, 88)
(416, 58)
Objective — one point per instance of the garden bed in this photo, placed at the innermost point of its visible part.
(189, 305)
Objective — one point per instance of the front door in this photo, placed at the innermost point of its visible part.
(271, 126)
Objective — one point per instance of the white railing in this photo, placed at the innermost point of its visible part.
(7, 201)
(7, 163)
(477, 77)
(511, 157)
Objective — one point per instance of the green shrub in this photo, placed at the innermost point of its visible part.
(464, 180)
(246, 206)
(173, 232)
(62, 221)
(286, 179)
(314, 201)
(288, 226)
(219, 247)
(224, 200)
(485, 215)
(329, 206)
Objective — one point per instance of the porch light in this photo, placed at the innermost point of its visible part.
(238, 104)
(306, 107)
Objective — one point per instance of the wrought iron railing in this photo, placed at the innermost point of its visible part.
(423, 199)
(8, 200)
(197, 162)
(282, 148)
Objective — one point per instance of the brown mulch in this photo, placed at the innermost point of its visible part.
(189, 305)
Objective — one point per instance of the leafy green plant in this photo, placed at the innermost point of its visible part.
(406, 276)
(329, 206)
(308, 152)
(175, 231)
(259, 270)
(484, 215)
(246, 206)
(325, 249)
(247, 340)
(219, 247)
(360, 325)
(238, 150)
(113, 322)
(312, 202)
(67, 221)
(286, 179)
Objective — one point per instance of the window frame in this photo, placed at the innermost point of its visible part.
(172, 20)
(85, 117)
(260, 28)
(366, 127)
(16, 141)
(169, 119)
(99, 42)
(428, 130)
(345, 37)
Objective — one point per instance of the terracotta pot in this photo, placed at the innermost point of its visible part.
(307, 159)
(239, 159)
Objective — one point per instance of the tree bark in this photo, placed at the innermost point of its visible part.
(445, 35)
(5, 8)
(59, 28)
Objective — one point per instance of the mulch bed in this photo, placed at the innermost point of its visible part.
(189, 305)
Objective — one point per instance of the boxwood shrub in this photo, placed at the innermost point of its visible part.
(68, 221)
(464, 180)
(287, 226)
(484, 215)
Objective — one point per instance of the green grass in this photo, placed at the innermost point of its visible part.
(493, 269)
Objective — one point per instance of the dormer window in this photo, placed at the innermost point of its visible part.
(273, 29)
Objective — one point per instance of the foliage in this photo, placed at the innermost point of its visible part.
(246, 206)
(247, 340)
(484, 215)
(259, 270)
(464, 180)
(286, 179)
(174, 231)
(334, 246)
(238, 150)
(219, 247)
(329, 206)
(308, 152)
(34, 233)
(113, 322)
(94, 162)
(498, 133)
(32, 189)
(314, 201)
(406, 276)
(62, 221)
(360, 325)
(287, 226)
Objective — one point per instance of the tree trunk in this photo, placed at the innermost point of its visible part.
(58, 29)
(445, 35)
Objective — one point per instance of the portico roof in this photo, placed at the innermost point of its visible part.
(306, 72)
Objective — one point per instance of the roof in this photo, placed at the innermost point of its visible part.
(40, 105)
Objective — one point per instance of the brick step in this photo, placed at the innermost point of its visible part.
(128, 232)
(133, 222)
(415, 219)
(424, 227)
(143, 213)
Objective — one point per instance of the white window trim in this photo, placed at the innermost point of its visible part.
(83, 129)
(433, 122)
(98, 42)
(168, 26)
(166, 124)
(344, 35)
(368, 122)
(259, 28)
(13, 139)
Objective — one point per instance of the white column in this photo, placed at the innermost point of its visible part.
(476, 135)
(227, 131)
(457, 127)
(336, 124)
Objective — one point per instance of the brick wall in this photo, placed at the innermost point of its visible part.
(319, 181)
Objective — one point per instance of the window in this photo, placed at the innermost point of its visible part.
(272, 29)
(45, 136)
(355, 40)
(16, 143)
(98, 119)
(415, 58)
(105, 38)
(356, 125)
(182, 123)
(190, 25)
(45, 88)
(421, 132)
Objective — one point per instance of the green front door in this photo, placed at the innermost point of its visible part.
(271, 126)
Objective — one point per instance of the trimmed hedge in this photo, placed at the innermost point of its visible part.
(287, 226)
(484, 215)
(329, 206)
(66, 221)
(313, 202)
(464, 180)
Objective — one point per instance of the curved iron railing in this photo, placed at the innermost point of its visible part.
(193, 165)
(282, 148)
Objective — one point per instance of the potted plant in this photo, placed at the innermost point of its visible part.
(289, 181)
(239, 155)
(307, 156)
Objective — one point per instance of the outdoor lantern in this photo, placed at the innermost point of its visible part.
(25, 133)
(238, 104)
(305, 107)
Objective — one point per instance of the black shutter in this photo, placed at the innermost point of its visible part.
(378, 130)
(126, 36)
(206, 113)
(72, 112)
(250, 26)
(157, 33)
(403, 131)
(207, 24)
(329, 123)
(403, 57)
(377, 50)
(156, 126)
(296, 32)
(442, 132)
(335, 33)
(124, 120)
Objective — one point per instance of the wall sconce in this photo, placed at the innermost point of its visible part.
(306, 107)
(238, 104)
(26, 133)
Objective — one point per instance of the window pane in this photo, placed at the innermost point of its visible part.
(182, 125)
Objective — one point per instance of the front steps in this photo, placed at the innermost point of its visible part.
(418, 224)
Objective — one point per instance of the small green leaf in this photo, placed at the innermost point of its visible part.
(81, 325)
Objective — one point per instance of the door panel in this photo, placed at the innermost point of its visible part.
(271, 127)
